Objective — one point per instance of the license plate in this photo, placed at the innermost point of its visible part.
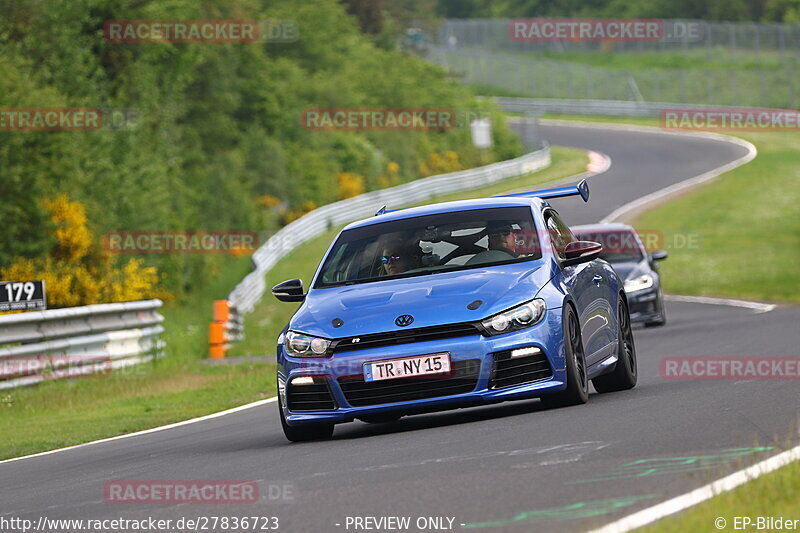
(420, 365)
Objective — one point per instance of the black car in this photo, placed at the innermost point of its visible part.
(638, 269)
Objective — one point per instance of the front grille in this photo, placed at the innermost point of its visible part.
(392, 338)
(316, 397)
(508, 372)
(462, 379)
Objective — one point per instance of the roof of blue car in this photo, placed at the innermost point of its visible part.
(447, 207)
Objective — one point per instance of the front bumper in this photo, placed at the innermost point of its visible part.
(473, 356)
(645, 306)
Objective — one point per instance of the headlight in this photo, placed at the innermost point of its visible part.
(639, 283)
(520, 317)
(302, 345)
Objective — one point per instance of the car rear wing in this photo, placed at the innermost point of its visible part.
(582, 189)
(383, 211)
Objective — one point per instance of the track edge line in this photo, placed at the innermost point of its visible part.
(690, 499)
(173, 425)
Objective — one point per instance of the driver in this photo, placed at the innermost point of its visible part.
(502, 238)
(502, 244)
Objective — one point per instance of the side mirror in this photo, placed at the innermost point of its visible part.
(289, 291)
(578, 252)
(659, 255)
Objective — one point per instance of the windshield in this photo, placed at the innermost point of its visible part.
(432, 243)
(619, 246)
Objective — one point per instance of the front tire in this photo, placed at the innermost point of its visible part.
(624, 375)
(662, 318)
(577, 391)
(306, 432)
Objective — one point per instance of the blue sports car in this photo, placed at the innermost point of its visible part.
(450, 305)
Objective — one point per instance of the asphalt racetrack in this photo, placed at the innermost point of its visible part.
(506, 467)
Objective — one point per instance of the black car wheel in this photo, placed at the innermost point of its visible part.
(577, 391)
(662, 313)
(305, 432)
(623, 376)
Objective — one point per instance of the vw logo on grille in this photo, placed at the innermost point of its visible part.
(404, 320)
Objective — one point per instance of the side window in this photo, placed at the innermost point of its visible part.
(559, 232)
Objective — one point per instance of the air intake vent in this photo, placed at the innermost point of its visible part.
(519, 370)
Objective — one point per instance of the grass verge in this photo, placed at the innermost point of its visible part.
(66, 412)
(747, 225)
(181, 386)
(775, 494)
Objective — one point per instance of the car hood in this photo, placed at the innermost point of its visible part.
(432, 299)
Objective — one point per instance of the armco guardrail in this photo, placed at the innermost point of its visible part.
(250, 290)
(62, 343)
(566, 106)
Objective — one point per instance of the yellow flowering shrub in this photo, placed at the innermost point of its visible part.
(268, 201)
(73, 236)
(77, 271)
(440, 163)
(451, 158)
(349, 184)
(293, 214)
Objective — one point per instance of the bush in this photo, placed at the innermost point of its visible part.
(76, 271)
(218, 126)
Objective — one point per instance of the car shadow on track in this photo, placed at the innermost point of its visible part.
(419, 422)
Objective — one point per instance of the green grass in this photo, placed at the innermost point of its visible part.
(749, 225)
(173, 388)
(775, 494)
(57, 414)
(697, 78)
(179, 386)
(693, 59)
(636, 121)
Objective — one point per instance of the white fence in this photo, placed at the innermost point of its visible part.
(618, 108)
(547, 76)
(250, 290)
(88, 340)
